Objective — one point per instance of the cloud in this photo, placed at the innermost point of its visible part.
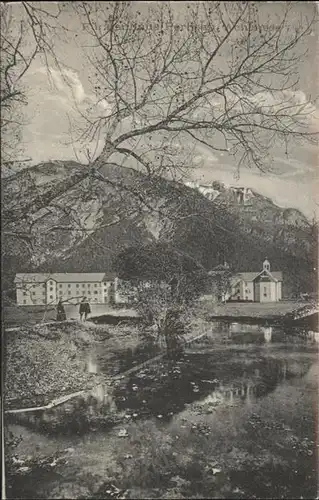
(293, 167)
(56, 100)
(76, 85)
(68, 80)
(104, 104)
(70, 90)
(289, 105)
(287, 102)
(198, 160)
(65, 82)
(205, 154)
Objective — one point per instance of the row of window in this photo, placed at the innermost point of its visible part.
(78, 285)
(245, 283)
(246, 297)
(35, 302)
(248, 291)
(38, 285)
(43, 301)
(70, 293)
(69, 285)
(60, 293)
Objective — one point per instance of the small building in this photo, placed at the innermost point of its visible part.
(264, 286)
(49, 288)
(242, 194)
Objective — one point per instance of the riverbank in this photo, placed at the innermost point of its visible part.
(252, 311)
(44, 362)
(16, 316)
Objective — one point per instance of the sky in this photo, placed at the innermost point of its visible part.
(291, 182)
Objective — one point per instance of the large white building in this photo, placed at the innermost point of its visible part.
(49, 288)
(264, 286)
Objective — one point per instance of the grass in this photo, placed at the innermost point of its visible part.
(42, 362)
(19, 316)
(22, 315)
(252, 309)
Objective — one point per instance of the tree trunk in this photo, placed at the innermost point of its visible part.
(173, 345)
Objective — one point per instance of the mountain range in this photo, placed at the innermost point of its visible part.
(58, 219)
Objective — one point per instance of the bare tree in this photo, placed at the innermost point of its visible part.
(214, 74)
(25, 35)
(219, 75)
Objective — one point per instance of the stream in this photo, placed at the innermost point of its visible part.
(248, 400)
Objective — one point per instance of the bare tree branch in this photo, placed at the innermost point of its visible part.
(222, 75)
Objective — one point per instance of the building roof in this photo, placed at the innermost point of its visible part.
(249, 276)
(276, 274)
(234, 280)
(64, 277)
(32, 277)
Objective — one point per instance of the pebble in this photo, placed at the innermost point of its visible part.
(216, 470)
(24, 469)
(122, 433)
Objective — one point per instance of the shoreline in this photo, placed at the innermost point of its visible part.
(258, 320)
(282, 313)
(285, 321)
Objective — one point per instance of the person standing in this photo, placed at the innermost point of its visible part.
(111, 294)
(61, 315)
(85, 309)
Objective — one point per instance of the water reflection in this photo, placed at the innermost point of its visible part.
(205, 378)
(166, 390)
(99, 393)
(228, 377)
(92, 366)
(104, 361)
(245, 392)
(244, 333)
(229, 395)
(267, 331)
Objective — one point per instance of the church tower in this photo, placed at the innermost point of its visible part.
(266, 265)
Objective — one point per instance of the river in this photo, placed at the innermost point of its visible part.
(236, 418)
